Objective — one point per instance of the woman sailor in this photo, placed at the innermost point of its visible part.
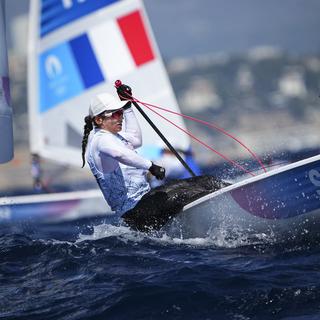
(109, 146)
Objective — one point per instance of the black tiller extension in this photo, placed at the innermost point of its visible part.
(124, 93)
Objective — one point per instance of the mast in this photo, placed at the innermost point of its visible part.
(6, 131)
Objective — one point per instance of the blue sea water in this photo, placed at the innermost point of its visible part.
(89, 269)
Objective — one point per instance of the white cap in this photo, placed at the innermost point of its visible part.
(105, 102)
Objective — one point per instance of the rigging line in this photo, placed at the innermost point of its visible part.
(199, 141)
(192, 136)
(209, 125)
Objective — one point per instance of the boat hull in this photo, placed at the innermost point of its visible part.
(281, 203)
(53, 207)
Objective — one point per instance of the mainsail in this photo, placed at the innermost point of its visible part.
(6, 132)
(78, 49)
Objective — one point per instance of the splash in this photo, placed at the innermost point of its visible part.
(106, 230)
(220, 237)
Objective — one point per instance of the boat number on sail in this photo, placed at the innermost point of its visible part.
(314, 176)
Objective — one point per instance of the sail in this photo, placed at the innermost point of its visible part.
(78, 49)
(6, 132)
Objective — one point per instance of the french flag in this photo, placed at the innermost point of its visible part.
(121, 45)
(104, 53)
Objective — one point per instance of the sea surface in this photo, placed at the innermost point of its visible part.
(94, 269)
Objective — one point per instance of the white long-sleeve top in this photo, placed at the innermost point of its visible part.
(120, 171)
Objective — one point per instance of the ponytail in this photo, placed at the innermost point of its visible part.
(86, 131)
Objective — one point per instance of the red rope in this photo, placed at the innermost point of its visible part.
(198, 140)
(207, 124)
(148, 105)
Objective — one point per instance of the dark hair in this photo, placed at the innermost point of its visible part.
(86, 131)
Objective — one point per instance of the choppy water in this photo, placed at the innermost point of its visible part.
(92, 270)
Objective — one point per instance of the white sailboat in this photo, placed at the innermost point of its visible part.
(79, 48)
(281, 204)
(76, 50)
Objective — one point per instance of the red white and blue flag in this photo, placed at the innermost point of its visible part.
(126, 47)
(104, 53)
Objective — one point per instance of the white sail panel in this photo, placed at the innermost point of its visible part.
(79, 49)
(115, 60)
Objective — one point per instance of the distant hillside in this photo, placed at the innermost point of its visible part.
(268, 98)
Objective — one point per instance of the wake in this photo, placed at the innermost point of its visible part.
(221, 237)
